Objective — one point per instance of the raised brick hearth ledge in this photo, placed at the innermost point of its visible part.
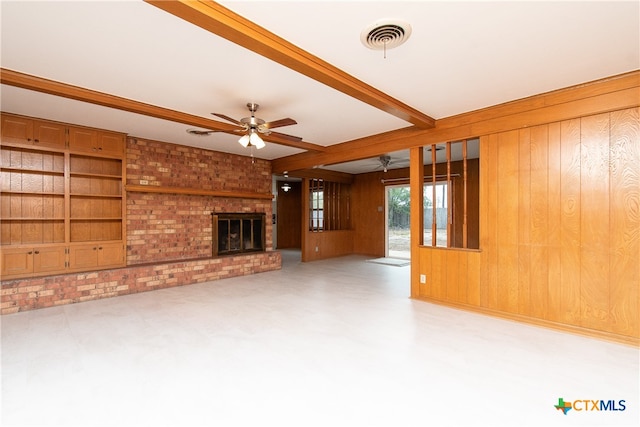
(33, 293)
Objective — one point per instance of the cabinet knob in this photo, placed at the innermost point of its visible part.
(30, 252)
(37, 252)
(36, 140)
(95, 248)
(100, 248)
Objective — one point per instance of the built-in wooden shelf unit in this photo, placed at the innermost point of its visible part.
(62, 198)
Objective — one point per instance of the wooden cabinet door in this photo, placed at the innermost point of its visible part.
(83, 256)
(49, 259)
(50, 135)
(111, 143)
(110, 254)
(83, 140)
(16, 130)
(16, 262)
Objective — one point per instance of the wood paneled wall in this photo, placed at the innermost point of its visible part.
(289, 216)
(318, 245)
(560, 229)
(368, 201)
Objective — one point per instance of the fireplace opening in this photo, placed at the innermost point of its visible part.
(235, 233)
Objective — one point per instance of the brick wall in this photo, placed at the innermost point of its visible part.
(168, 236)
(162, 164)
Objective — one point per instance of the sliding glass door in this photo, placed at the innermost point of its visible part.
(397, 230)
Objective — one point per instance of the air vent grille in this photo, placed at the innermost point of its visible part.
(385, 35)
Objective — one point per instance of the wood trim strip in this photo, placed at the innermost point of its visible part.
(464, 195)
(196, 192)
(416, 214)
(449, 198)
(221, 21)
(51, 87)
(434, 216)
(327, 175)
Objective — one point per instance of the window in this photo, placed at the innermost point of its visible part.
(436, 197)
(317, 210)
(328, 205)
(451, 194)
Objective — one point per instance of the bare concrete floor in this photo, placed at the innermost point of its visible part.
(327, 343)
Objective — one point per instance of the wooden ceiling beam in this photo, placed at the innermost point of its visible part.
(51, 87)
(357, 149)
(325, 174)
(221, 21)
(613, 93)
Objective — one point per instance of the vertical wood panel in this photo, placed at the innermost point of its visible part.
(463, 266)
(507, 227)
(569, 298)
(524, 222)
(473, 278)
(539, 285)
(438, 280)
(624, 222)
(595, 222)
(553, 207)
(489, 227)
(425, 268)
(453, 272)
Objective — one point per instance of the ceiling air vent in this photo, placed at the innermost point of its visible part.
(385, 35)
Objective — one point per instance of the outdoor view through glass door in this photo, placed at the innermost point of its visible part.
(398, 242)
(398, 200)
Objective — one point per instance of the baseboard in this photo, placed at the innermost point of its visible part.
(577, 330)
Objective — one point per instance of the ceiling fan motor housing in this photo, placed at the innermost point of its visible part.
(254, 122)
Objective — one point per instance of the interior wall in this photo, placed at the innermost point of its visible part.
(560, 229)
(289, 216)
(368, 204)
(317, 245)
(166, 226)
(169, 234)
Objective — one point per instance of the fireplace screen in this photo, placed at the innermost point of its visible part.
(238, 233)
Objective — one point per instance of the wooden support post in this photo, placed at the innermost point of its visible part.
(416, 177)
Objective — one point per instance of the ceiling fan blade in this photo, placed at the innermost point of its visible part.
(285, 136)
(227, 118)
(280, 123)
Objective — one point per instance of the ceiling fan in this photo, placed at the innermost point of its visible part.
(253, 126)
(385, 161)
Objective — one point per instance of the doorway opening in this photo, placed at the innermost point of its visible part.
(397, 222)
(397, 218)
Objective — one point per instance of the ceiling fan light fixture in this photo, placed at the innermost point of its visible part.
(255, 140)
(244, 140)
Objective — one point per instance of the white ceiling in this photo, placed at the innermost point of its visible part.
(461, 56)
